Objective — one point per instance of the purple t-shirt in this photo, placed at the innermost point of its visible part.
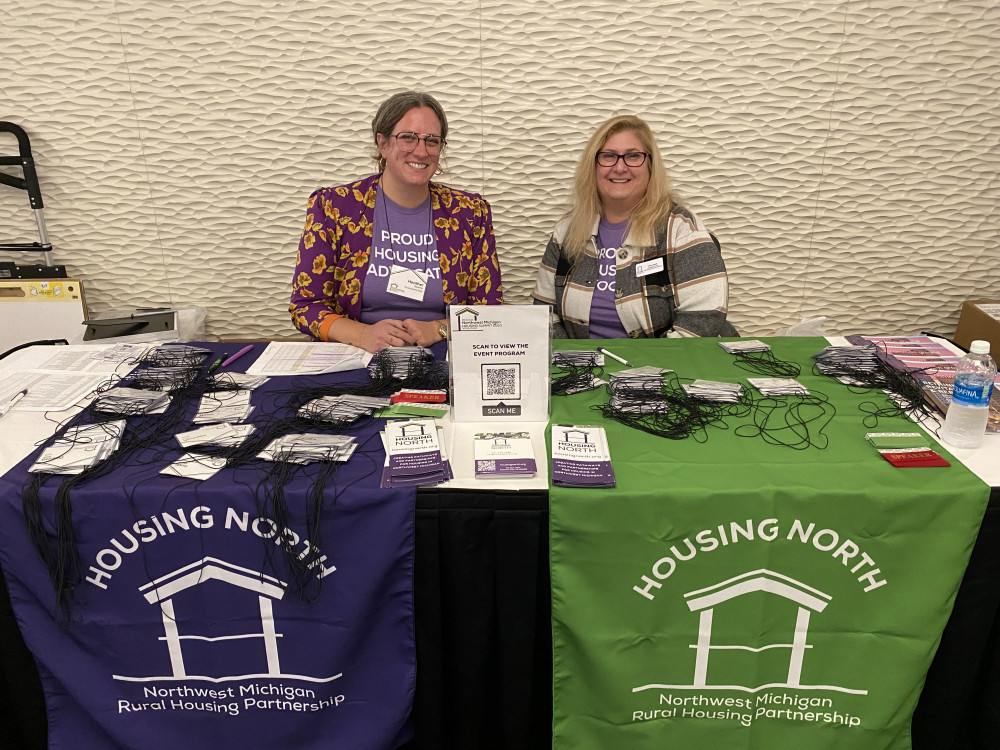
(604, 320)
(402, 238)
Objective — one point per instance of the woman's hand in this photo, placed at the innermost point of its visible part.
(423, 332)
(384, 333)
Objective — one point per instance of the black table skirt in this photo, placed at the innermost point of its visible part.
(484, 648)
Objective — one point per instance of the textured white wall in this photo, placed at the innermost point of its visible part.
(846, 153)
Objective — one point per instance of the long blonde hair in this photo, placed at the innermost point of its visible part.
(650, 213)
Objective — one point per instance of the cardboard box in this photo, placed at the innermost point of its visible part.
(980, 319)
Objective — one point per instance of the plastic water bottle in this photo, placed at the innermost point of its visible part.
(965, 423)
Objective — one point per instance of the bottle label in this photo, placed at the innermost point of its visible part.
(971, 393)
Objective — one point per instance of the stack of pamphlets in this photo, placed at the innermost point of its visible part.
(779, 386)
(747, 345)
(342, 409)
(714, 390)
(307, 448)
(80, 447)
(580, 457)
(223, 406)
(414, 454)
(131, 401)
(503, 454)
(406, 410)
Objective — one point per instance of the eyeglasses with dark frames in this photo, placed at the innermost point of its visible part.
(408, 141)
(631, 159)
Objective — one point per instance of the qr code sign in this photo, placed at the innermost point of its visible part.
(486, 466)
(502, 381)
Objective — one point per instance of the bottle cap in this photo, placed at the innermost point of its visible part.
(979, 347)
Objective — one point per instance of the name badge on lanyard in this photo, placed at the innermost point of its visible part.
(407, 282)
(650, 266)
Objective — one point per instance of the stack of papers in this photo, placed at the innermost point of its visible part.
(779, 386)
(503, 454)
(343, 409)
(421, 396)
(224, 406)
(80, 448)
(714, 390)
(307, 448)
(580, 457)
(413, 454)
(131, 401)
(748, 345)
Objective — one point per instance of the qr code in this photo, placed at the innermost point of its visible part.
(502, 381)
(486, 466)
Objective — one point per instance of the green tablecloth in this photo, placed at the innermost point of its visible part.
(733, 594)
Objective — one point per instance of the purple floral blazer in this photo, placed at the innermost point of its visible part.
(336, 245)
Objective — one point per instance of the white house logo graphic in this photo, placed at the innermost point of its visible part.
(704, 601)
(470, 317)
(163, 591)
(411, 429)
(575, 436)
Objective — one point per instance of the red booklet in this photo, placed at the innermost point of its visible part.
(914, 459)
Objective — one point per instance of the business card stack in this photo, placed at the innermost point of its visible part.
(778, 386)
(580, 457)
(131, 401)
(80, 448)
(308, 447)
(744, 346)
(501, 455)
(714, 390)
(414, 454)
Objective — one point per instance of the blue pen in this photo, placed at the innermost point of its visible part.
(236, 356)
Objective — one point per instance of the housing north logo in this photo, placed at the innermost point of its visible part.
(741, 649)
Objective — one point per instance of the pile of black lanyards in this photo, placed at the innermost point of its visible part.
(906, 396)
(792, 421)
(187, 381)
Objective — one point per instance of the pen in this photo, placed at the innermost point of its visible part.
(10, 404)
(604, 351)
(217, 363)
(236, 356)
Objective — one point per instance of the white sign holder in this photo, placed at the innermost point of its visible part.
(500, 358)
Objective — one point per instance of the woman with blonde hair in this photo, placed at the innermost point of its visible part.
(628, 259)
